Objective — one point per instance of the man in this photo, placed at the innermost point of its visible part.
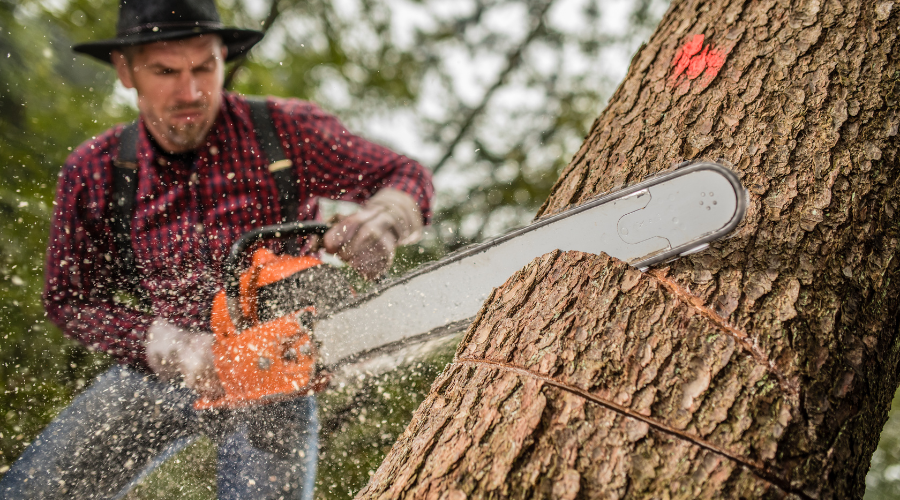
(202, 181)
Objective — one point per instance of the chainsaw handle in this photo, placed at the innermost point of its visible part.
(232, 263)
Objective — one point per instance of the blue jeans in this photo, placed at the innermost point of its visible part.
(128, 423)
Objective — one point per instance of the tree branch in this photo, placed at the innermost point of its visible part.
(274, 12)
(513, 59)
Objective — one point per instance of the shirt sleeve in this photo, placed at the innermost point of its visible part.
(340, 165)
(80, 274)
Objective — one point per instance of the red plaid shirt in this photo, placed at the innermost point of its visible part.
(188, 213)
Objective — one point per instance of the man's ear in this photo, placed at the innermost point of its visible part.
(123, 69)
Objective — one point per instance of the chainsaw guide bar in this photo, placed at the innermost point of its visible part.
(670, 215)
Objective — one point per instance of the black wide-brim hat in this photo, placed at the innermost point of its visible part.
(148, 21)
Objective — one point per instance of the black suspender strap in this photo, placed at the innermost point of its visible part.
(123, 194)
(286, 181)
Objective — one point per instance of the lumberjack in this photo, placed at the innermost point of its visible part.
(197, 175)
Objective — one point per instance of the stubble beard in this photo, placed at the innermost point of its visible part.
(186, 136)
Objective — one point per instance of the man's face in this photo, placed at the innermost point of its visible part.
(178, 85)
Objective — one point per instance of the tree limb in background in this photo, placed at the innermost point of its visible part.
(274, 12)
(513, 59)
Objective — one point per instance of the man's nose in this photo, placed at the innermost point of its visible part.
(188, 89)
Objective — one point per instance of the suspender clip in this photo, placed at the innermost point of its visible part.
(280, 165)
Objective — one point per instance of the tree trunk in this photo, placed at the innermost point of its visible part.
(761, 367)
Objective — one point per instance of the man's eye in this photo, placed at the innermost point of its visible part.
(164, 72)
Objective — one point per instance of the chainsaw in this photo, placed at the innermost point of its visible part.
(264, 319)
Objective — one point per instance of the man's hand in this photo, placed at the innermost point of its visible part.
(173, 352)
(366, 240)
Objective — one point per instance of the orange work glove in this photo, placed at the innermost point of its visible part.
(366, 240)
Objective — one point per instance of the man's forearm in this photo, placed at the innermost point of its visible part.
(412, 178)
(113, 328)
(340, 165)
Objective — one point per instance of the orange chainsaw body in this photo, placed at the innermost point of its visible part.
(264, 361)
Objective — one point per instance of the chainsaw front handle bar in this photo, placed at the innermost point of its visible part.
(233, 262)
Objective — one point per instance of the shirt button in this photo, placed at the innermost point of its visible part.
(199, 227)
(194, 178)
(213, 150)
(162, 162)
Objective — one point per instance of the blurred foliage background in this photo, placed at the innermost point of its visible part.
(495, 96)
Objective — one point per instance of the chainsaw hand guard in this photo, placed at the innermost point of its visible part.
(263, 321)
(233, 276)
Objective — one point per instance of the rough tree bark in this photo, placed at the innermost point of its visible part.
(760, 368)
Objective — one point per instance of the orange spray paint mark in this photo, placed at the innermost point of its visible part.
(693, 60)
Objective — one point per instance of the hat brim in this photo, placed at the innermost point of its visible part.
(238, 41)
